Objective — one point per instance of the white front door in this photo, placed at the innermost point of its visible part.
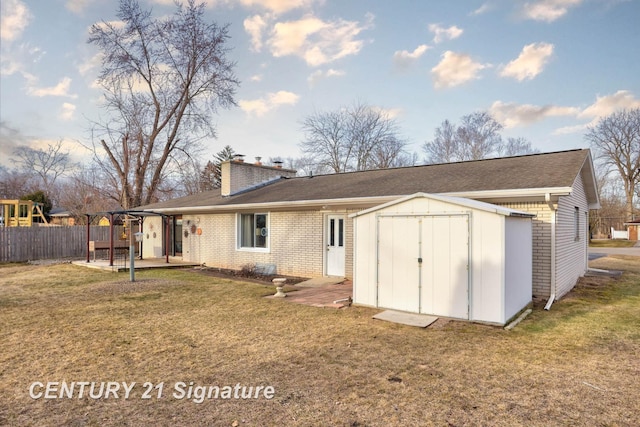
(335, 245)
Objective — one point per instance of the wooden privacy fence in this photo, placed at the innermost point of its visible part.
(19, 244)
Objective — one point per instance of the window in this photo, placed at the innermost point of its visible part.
(253, 231)
(576, 220)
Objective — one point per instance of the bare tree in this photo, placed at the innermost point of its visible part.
(477, 137)
(615, 140)
(516, 147)
(14, 183)
(85, 192)
(162, 80)
(358, 138)
(326, 140)
(46, 164)
(444, 147)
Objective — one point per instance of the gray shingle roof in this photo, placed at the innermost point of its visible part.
(547, 170)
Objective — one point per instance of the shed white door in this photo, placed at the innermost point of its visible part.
(423, 264)
(335, 245)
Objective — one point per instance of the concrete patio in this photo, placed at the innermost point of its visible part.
(120, 264)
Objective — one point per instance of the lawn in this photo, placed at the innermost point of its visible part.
(577, 364)
(612, 243)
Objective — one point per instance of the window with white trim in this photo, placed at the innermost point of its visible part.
(253, 231)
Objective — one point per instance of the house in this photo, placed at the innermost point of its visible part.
(61, 216)
(633, 229)
(300, 226)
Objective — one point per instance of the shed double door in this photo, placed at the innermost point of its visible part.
(423, 264)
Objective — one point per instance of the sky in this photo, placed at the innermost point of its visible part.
(545, 69)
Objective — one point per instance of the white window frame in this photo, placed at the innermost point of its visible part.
(239, 246)
(576, 224)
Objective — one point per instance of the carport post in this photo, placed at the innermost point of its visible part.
(132, 254)
(88, 235)
(166, 246)
(111, 218)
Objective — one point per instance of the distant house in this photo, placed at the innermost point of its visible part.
(301, 225)
(61, 216)
(633, 229)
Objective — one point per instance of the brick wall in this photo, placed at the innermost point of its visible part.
(296, 243)
(236, 176)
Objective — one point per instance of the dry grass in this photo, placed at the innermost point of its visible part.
(577, 364)
(612, 243)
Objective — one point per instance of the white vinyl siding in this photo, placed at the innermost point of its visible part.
(571, 238)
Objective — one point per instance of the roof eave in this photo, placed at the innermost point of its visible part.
(528, 193)
(324, 204)
(364, 202)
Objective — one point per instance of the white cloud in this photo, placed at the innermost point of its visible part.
(603, 106)
(529, 63)
(511, 115)
(13, 60)
(390, 113)
(61, 89)
(14, 18)
(482, 9)
(455, 69)
(275, 6)
(320, 75)
(404, 58)
(441, 33)
(606, 105)
(104, 25)
(255, 26)
(278, 6)
(548, 10)
(316, 41)
(256, 78)
(90, 64)
(67, 111)
(262, 106)
(76, 6)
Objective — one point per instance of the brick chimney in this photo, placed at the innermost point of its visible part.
(237, 176)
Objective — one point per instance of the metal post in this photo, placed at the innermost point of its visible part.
(132, 253)
(111, 219)
(167, 240)
(88, 235)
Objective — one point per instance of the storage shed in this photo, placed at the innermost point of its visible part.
(443, 256)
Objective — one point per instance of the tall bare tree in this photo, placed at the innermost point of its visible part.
(516, 147)
(359, 137)
(615, 140)
(46, 164)
(444, 146)
(477, 137)
(14, 183)
(162, 79)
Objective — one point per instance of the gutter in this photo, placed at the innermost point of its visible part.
(552, 297)
(324, 204)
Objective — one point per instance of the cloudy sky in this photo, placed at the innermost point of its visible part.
(545, 69)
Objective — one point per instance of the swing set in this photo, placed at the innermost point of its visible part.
(21, 213)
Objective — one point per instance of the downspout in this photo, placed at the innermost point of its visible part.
(552, 297)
